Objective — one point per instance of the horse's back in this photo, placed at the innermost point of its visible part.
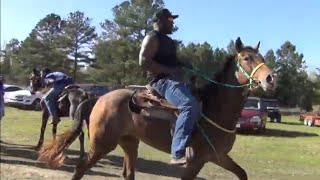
(111, 109)
(115, 97)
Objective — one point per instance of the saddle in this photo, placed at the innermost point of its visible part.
(64, 93)
(153, 105)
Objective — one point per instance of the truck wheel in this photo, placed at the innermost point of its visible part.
(310, 122)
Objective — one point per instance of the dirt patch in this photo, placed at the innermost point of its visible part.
(20, 162)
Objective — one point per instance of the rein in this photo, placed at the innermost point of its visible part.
(250, 77)
(250, 84)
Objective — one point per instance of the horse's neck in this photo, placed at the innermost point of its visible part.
(45, 90)
(225, 104)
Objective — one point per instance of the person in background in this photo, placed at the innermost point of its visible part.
(59, 81)
(1, 98)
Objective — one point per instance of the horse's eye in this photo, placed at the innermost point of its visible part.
(247, 58)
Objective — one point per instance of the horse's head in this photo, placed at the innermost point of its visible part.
(36, 81)
(251, 67)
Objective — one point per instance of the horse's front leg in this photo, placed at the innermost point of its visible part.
(45, 117)
(82, 150)
(54, 130)
(192, 169)
(227, 163)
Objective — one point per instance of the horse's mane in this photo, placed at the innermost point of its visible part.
(226, 65)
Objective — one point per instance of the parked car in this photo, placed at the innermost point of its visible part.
(273, 109)
(24, 99)
(254, 115)
(9, 88)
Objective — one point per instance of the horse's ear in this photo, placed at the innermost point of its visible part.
(239, 45)
(257, 46)
(36, 71)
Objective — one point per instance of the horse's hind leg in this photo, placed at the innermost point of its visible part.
(101, 143)
(81, 139)
(45, 117)
(227, 163)
(130, 146)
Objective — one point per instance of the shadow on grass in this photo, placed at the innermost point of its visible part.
(25, 155)
(278, 133)
(293, 123)
(148, 166)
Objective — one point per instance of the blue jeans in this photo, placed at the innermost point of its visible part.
(178, 94)
(51, 97)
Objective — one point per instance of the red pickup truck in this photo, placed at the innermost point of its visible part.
(254, 115)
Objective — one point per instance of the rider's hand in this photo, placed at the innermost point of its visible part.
(49, 81)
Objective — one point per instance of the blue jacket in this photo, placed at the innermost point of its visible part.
(58, 77)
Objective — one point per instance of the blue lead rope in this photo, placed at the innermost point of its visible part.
(210, 80)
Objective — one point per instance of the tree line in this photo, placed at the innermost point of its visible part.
(69, 43)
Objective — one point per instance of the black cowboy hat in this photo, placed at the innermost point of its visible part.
(163, 14)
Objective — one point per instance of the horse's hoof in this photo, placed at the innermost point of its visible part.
(189, 154)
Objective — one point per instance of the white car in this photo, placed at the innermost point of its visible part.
(10, 88)
(24, 98)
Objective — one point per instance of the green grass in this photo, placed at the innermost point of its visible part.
(285, 151)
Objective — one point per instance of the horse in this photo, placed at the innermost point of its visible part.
(125, 117)
(67, 104)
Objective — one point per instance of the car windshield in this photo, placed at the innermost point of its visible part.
(12, 88)
(272, 104)
(252, 104)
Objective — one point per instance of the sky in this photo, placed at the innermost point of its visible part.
(272, 22)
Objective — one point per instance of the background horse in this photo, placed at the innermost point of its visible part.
(66, 106)
(116, 119)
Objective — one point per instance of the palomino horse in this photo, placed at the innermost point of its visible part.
(118, 118)
(66, 106)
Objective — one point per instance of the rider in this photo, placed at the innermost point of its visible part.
(158, 56)
(59, 81)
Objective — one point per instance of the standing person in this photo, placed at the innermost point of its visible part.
(1, 98)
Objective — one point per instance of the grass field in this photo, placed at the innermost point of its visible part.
(285, 151)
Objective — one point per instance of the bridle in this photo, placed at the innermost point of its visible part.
(252, 82)
(36, 82)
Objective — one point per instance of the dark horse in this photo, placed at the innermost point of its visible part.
(118, 118)
(67, 105)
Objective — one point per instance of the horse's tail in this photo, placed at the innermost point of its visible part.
(52, 153)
